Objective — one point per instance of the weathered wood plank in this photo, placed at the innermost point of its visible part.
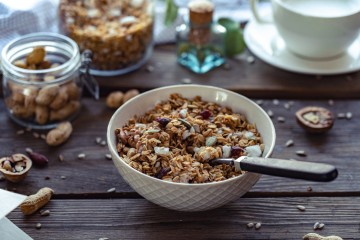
(257, 80)
(95, 174)
(140, 219)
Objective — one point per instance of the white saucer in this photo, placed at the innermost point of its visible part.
(264, 42)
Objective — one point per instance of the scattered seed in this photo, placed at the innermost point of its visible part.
(321, 226)
(309, 189)
(28, 150)
(108, 156)
(287, 106)
(20, 132)
(250, 59)
(270, 113)
(104, 238)
(276, 102)
(47, 178)
(331, 102)
(301, 153)
(36, 135)
(227, 66)
(43, 136)
(63, 177)
(150, 68)
(301, 208)
(28, 129)
(38, 226)
(281, 119)
(259, 102)
(103, 143)
(258, 225)
(45, 213)
(98, 140)
(341, 115)
(348, 115)
(111, 190)
(61, 158)
(81, 156)
(250, 225)
(316, 225)
(186, 80)
(289, 143)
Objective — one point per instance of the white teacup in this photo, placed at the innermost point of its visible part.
(315, 28)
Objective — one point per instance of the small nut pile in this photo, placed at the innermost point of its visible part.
(15, 167)
(41, 103)
(117, 32)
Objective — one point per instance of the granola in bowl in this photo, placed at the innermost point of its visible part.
(175, 140)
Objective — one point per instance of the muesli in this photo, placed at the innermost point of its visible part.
(176, 139)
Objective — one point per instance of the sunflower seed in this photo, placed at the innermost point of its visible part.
(316, 225)
(270, 113)
(98, 140)
(20, 132)
(250, 59)
(276, 102)
(36, 135)
(45, 213)
(250, 225)
(301, 208)
(28, 150)
(309, 189)
(341, 115)
(81, 156)
(38, 226)
(289, 143)
(301, 153)
(103, 143)
(287, 106)
(43, 136)
(321, 226)
(63, 177)
(258, 225)
(150, 68)
(331, 102)
(348, 115)
(281, 119)
(111, 190)
(104, 238)
(186, 80)
(108, 156)
(61, 158)
(259, 102)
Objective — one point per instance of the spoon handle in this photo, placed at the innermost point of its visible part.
(318, 172)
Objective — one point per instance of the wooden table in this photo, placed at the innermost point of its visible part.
(83, 209)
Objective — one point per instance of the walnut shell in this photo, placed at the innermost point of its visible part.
(315, 119)
(17, 176)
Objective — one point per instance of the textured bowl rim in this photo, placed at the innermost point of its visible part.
(114, 152)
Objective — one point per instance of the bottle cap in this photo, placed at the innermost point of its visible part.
(201, 11)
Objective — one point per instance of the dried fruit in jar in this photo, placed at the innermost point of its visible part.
(315, 119)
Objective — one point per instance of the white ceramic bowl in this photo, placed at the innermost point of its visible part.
(181, 196)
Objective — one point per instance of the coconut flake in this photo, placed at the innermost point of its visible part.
(115, 12)
(186, 134)
(128, 20)
(162, 150)
(226, 151)
(249, 135)
(210, 141)
(253, 151)
(183, 112)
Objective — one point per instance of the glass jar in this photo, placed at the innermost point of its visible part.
(42, 85)
(118, 32)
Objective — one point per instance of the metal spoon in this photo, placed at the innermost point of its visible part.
(317, 172)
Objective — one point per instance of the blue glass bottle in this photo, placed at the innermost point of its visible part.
(200, 42)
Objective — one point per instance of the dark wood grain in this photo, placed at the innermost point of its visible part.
(95, 174)
(258, 80)
(140, 219)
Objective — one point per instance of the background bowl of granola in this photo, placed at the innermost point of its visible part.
(157, 183)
